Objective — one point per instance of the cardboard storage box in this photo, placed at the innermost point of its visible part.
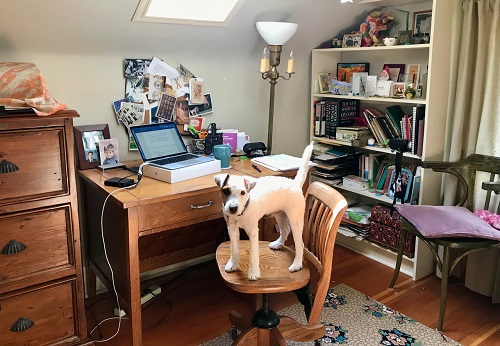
(351, 133)
(354, 182)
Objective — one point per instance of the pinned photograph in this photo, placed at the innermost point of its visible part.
(134, 87)
(181, 111)
(135, 67)
(196, 91)
(156, 87)
(166, 105)
(108, 150)
(202, 109)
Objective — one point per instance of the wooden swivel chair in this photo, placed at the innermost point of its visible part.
(324, 210)
(453, 227)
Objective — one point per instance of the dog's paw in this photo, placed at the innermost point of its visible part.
(275, 245)
(253, 275)
(295, 267)
(230, 267)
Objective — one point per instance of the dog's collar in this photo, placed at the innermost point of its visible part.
(245, 207)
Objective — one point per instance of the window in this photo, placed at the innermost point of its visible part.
(189, 12)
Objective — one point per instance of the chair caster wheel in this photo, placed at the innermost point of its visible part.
(234, 332)
(317, 342)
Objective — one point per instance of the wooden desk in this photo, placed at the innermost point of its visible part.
(149, 227)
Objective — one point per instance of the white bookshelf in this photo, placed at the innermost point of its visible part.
(433, 58)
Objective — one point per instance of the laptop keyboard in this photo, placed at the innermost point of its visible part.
(174, 159)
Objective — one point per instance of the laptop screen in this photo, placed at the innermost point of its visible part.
(158, 140)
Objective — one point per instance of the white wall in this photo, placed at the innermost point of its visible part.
(80, 45)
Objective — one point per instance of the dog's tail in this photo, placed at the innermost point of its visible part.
(301, 176)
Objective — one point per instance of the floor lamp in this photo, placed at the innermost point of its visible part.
(276, 34)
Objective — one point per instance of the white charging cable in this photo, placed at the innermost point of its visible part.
(139, 176)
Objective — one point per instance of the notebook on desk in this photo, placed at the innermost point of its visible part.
(162, 147)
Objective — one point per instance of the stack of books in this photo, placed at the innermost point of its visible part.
(396, 124)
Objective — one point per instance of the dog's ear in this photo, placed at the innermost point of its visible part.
(221, 179)
(250, 183)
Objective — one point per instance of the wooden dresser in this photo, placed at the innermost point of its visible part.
(41, 278)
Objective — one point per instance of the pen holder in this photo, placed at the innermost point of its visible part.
(198, 146)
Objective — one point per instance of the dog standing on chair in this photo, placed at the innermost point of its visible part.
(245, 200)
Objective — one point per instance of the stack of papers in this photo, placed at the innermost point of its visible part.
(279, 162)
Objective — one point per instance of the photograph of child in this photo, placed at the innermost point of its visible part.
(108, 149)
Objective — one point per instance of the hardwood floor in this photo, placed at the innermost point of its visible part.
(194, 304)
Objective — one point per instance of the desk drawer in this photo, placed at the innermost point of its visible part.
(44, 238)
(39, 156)
(39, 316)
(185, 210)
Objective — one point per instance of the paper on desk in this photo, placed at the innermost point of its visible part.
(158, 67)
(280, 162)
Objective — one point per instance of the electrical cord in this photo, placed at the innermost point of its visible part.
(139, 176)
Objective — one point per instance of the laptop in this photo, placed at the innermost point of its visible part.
(162, 147)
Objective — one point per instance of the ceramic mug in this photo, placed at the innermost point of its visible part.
(222, 152)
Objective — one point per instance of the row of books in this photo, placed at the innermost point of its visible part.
(396, 124)
(330, 114)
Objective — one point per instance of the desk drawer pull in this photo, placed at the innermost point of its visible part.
(209, 204)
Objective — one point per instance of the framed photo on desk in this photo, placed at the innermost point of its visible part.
(87, 144)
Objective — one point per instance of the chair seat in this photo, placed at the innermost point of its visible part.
(275, 276)
(456, 224)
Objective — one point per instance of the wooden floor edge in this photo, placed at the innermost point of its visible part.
(393, 293)
(486, 335)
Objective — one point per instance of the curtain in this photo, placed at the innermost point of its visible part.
(473, 124)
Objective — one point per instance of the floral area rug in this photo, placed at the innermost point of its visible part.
(352, 318)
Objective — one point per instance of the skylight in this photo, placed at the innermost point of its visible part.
(190, 12)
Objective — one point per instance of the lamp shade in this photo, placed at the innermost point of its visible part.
(276, 33)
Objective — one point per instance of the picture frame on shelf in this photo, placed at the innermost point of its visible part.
(413, 73)
(351, 40)
(345, 70)
(395, 71)
(422, 22)
(324, 82)
(400, 186)
(398, 90)
(404, 37)
(87, 144)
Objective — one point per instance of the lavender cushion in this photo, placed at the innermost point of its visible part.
(447, 222)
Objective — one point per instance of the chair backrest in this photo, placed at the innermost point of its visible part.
(466, 171)
(325, 208)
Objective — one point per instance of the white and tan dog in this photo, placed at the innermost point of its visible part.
(245, 200)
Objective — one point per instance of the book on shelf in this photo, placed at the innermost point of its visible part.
(417, 115)
(420, 139)
(396, 114)
(415, 191)
(329, 114)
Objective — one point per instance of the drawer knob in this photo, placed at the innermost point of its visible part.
(21, 325)
(209, 204)
(13, 247)
(7, 167)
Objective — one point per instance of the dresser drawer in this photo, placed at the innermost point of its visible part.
(40, 156)
(40, 316)
(34, 242)
(203, 206)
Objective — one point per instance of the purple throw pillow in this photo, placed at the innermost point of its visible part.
(447, 222)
